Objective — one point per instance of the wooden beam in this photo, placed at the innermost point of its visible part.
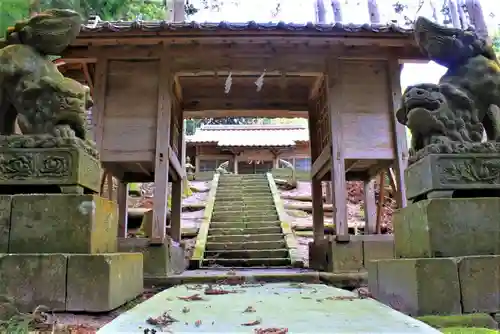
(316, 86)
(370, 207)
(338, 177)
(162, 161)
(175, 163)
(399, 138)
(317, 168)
(243, 103)
(122, 199)
(380, 205)
(245, 113)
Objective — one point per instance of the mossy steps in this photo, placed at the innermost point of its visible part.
(245, 229)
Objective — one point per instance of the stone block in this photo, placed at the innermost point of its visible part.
(345, 257)
(103, 282)
(448, 227)
(5, 210)
(63, 223)
(159, 260)
(378, 250)
(480, 283)
(450, 172)
(417, 286)
(60, 166)
(319, 255)
(32, 280)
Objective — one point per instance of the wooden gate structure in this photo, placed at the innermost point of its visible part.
(148, 76)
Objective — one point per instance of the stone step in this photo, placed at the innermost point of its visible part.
(243, 187)
(244, 237)
(243, 192)
(244, 263)
(244, 225)
(246, 254)
(268, 230)
(245, 245)
(240, 204)
(245, 207)
(256, 200)
(243, 217)
(246, 212)
(243, 197)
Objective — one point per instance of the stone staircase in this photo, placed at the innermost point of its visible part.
(245, 230)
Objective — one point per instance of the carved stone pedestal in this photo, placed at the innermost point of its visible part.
(60, 249)
(447, 249)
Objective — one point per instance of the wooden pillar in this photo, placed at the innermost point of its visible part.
(316, 189)
(370, 207)
(100, 84)
(339, 189)
(398, 130)
(162, 164)
(328, 192)
(175, 216)
(122, 209)
(197, 160)
(235, 164)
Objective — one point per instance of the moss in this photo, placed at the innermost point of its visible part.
(476, 320)
(468, 330)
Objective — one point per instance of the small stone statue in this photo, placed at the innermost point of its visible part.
(222, 169)
(190, 169)
(450, 117)
(49, 108)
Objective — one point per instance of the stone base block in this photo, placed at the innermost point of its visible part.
(5, 210)
(417, 286)
(476, 320)
(159, 260)
(448, 227)
(103, 282)
(63, 223)
(351, 256)
(31, 280)
(71, 168)
(480, 283)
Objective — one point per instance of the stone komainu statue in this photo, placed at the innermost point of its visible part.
(450, 117)
(33, 91)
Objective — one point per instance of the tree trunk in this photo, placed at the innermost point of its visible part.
(464, 23)
(476, 17)
(320, 11)
(373, 12)
(337, 11)
(434, 11)
(453, 11)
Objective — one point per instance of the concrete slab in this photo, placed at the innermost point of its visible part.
(301, 308)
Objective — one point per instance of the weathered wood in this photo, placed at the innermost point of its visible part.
(316, 189)
(271, 113)
(160, 207)
(398, 130)
(98, 111)
(338, 178)
(243, 103)
(175, 163)
(122, 199)
(370, 207)
(318, 166)
(380, 205)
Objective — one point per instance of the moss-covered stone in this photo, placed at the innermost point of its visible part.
(103, 282)
(417, 286)
(345, 257)
(448, 227)
(5, 209)
(319, 255)
(159, 260)
(32, 280)
(63, 223)
(478, 320)
(377, 250)
(480, 283)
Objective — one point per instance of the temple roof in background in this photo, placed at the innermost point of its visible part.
(250, 135)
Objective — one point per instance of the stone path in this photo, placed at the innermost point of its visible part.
(248, 308)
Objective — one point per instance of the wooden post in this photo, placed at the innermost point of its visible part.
(316, 189)
(163, 121)
(122, 209)
(100, 84)
(398, 130)
(370, 207)
(109, 182)
(335, 106)
(381, 198)
(235, 164)
(176, 197)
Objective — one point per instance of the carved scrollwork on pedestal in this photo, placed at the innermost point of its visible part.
(17, 167)
(35, 165)
(469, 171)
(54, 166)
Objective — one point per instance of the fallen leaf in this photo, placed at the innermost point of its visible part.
(191, 298)
(252, 323)
(271, 330)
(197, 323)
(249, 309)
(185, 310)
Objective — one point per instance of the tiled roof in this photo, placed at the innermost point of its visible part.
(250, 135)
(159, 26)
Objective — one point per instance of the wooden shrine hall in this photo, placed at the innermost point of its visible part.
(147, 76)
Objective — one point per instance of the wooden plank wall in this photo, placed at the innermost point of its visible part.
(130, 110)
(366, 121)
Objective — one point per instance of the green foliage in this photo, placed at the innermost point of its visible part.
(10, 12)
